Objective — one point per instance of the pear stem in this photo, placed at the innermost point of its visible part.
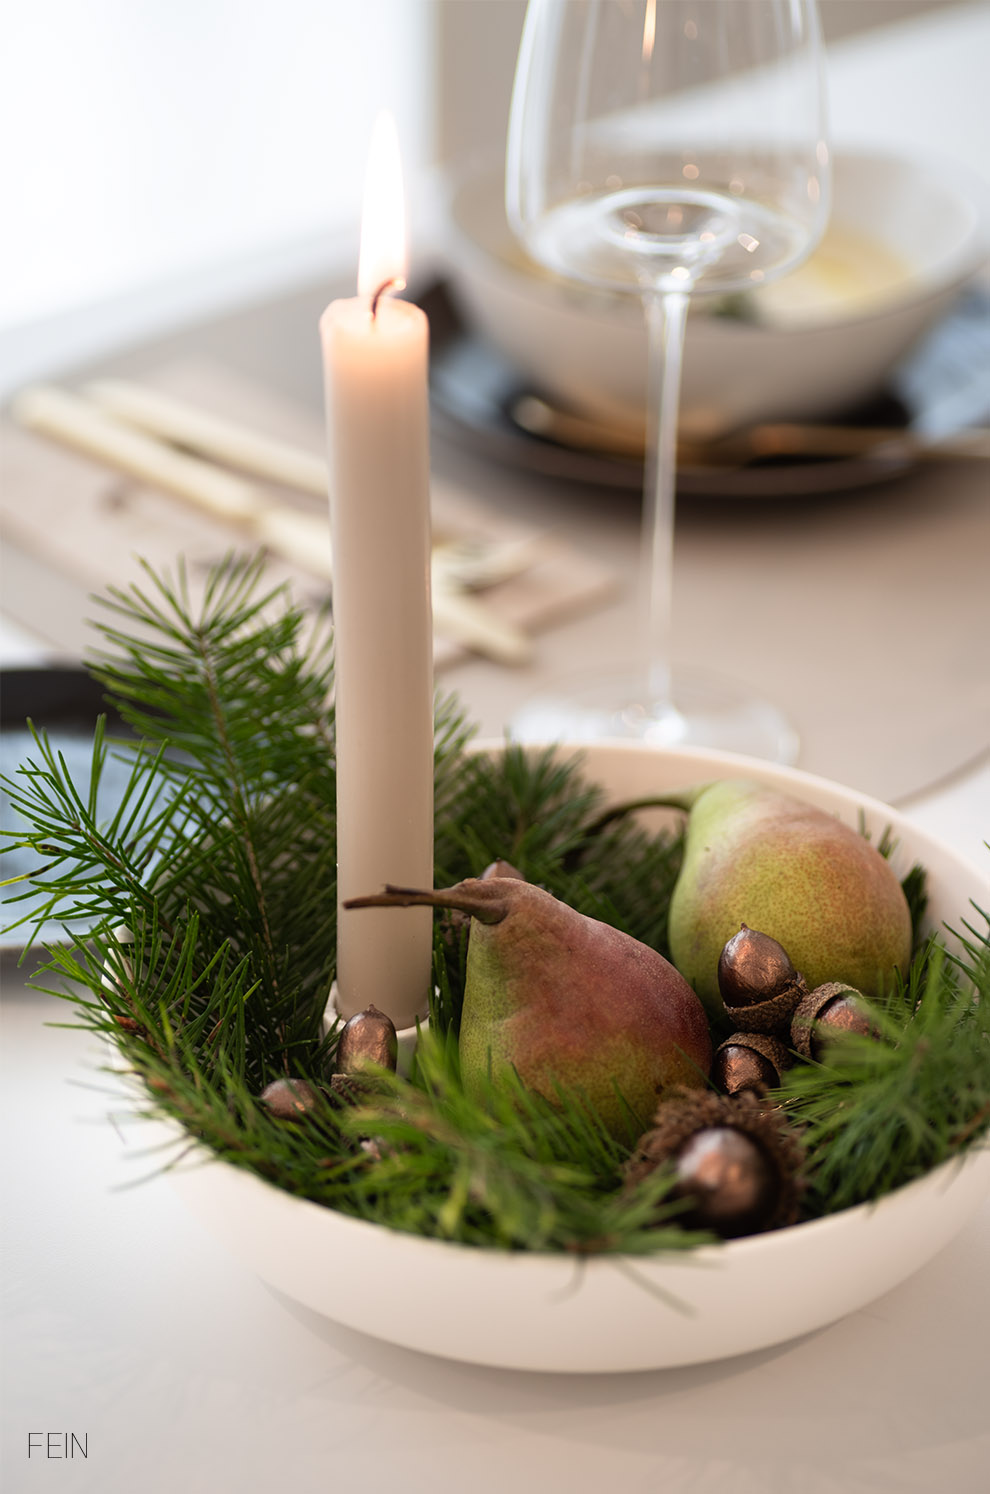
(685, 799)
(484, 900)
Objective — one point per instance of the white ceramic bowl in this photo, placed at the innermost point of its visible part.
(550, 1312)
(904, 235)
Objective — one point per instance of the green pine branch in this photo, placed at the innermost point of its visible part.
(200, 941)
(878, 1112)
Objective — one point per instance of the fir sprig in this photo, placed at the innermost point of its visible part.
(505, 1168)
(249, 724)
(880, 1111)
(208, 910)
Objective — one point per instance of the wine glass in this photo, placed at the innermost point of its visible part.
(666, 148)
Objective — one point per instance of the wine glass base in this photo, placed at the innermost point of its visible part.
(709, 712)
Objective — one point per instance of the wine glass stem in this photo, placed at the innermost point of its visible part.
(666, 314)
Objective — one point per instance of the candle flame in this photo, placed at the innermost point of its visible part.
(649, 30)
(383, 217)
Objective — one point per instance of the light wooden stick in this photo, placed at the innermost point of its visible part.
(303, 539)
(78, 423)
(210, 435)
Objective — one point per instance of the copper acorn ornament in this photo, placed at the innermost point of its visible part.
(729, 1181)
(737, 1166)
(368, 1037)
(758, 983)
(749, 1061)
(833, 1007)
(288, 1099)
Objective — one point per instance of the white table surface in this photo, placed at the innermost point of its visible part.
(127, 1325)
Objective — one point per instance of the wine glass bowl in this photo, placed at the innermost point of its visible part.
(663, 148)
(676, 141)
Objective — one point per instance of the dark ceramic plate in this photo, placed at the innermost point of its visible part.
(474, 390)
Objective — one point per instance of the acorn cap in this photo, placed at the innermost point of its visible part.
(770, 1016)
(689, 1112)
(835, 1005)
(749, 1060)
(349, 1089)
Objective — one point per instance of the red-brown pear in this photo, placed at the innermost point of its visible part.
(567, 1001)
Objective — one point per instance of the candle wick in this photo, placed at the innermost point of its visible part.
(396, 283)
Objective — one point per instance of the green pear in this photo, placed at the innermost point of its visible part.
(756, 856)
(567, 1001)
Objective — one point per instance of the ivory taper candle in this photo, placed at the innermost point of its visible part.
(375, 352)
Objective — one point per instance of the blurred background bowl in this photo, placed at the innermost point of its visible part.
(903, 237)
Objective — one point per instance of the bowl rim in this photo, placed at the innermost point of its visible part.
(958, 265)
(758, 767)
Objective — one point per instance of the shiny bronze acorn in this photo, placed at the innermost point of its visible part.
(737, 1165)
(749, 1060)
(832, 1007)
(728, 1179)
(288, 1099)
(367, 1038)
(759, 985)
